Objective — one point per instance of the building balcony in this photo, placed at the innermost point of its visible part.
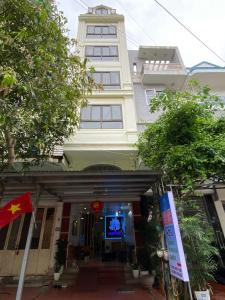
(155, 65)
(171, 75)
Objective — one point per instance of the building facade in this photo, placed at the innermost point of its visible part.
(99, 167)
(99, 162)
(107, 132)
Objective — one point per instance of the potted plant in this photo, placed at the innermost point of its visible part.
(202, 256)
(135, 270)
(148, 280)
(150, 230)
(60, 258)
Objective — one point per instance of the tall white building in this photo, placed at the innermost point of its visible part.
(100, 162)
(108, 130)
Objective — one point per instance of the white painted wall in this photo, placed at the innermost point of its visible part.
(124, 139)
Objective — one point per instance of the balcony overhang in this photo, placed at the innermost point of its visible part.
(161, 53)
(170, 75)
(124, 158)
(92, 18)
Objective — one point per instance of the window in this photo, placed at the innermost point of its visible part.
(105, 53)
(101, 117)
(101, 11)
(101, 32)
(109, 80)
(150, 94)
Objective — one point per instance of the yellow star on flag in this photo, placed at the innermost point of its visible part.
(14, 208)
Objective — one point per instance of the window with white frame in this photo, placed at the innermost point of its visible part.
(151, 93)
(102, 53)
(104, 32)
(109, 80)
(101, 117)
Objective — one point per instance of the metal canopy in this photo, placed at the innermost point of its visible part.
(70, 186)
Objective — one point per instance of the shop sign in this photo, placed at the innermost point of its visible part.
(177, 262)
(114, 227)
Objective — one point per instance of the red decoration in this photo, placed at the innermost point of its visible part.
(15, 208)
(97, 206)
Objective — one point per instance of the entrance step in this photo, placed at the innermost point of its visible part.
(67, 279)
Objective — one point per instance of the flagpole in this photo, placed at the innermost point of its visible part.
(26, 250)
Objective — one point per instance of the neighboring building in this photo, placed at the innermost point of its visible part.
(154, 69)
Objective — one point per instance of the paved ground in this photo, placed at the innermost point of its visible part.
(69, 293)
(104, 293)
(218, 291)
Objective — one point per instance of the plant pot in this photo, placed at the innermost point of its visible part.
(144, 273)
(147, 281)
(202, 295)
(135, 273)
(57, 276)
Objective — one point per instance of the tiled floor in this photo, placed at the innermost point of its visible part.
(102, 293)
(218, 291)
(108, 293)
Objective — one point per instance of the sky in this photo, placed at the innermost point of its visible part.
(148, 24)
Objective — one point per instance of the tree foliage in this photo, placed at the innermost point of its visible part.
(42, 84)
(187, 142)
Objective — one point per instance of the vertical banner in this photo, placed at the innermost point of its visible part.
(177, 262)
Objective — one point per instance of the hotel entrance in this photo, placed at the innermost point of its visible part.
(106, 235)
(65, 212)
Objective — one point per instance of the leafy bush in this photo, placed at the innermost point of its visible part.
(201, 255)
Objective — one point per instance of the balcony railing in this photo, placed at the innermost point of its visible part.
(158, 67)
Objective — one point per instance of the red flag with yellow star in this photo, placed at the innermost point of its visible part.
(15, 208)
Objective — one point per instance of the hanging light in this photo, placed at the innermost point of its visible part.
(97, 206)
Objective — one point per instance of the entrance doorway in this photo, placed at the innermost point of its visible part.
(106, 236)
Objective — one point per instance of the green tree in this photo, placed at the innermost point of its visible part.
(187, 143)
(43, 84)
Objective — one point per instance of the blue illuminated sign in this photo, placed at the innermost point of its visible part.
(114, 227)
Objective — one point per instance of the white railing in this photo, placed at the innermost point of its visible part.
(157, 67)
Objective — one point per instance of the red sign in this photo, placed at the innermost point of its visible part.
(97, 206)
